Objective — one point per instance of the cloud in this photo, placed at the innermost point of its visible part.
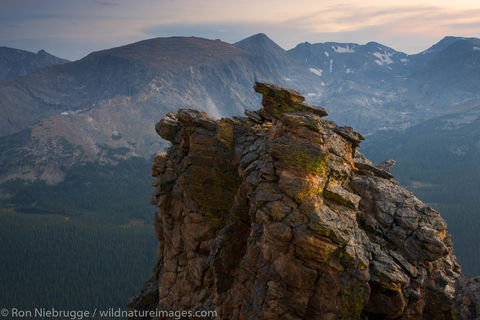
(473, 26)
(341, 19)
(99, 24)
(406, 28)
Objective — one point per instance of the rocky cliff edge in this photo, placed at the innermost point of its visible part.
(276, 215)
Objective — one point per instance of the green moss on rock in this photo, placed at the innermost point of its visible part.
(354, 298)
(301, 155)
(225, 133)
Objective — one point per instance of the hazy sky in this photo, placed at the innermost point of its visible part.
(73, 28)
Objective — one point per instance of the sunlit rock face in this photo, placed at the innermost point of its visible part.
(276, 216)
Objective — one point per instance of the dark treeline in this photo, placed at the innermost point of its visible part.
(54, 261)
(95, 252)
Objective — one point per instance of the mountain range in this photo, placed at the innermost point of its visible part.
(59, 118)
(370, 87)
(15, 63)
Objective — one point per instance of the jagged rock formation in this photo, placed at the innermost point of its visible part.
(277, 216)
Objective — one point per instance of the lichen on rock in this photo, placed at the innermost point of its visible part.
(277, 216)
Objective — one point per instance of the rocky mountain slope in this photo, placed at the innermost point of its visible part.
(289, 69)
(363, 85)
(351, 60)
(385, 88)
(278, 216)
(438, 159)
(18, 107)
(103, 104)
(15, 62)
(447, 80)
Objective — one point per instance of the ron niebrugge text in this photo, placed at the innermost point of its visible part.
(111, 313)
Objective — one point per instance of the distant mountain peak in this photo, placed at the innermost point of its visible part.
(260, 35)
(261, 45)
(276, 59)
(17, 62)
(376, 44)
(444, 43)
(453, 38)
(259, 39)
(167, 53)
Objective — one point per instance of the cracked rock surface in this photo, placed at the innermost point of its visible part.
(276, 216)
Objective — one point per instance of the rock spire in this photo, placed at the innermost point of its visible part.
(276, 215)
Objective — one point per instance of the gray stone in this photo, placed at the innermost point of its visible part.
(342, 196)
(386, 165)
(376, 171)
(350, 135)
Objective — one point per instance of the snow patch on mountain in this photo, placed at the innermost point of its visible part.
(69, 112)
(346, 49)
(318, 72)
(383, 58)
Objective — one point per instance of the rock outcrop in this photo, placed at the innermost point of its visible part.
(277, 216)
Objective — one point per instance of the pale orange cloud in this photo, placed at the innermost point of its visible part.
(406, 25)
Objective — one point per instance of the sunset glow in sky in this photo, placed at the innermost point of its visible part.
(73, 28)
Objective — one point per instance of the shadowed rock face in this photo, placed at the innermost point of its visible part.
(277, 216)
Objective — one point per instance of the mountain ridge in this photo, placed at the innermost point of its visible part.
(122, 93)
(16, 62)
(155, 74)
